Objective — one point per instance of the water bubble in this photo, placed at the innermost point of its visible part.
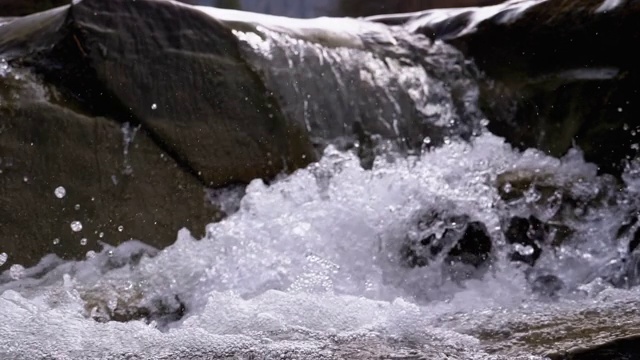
(426, 140)
(56, 241)
(60, 192)
(25, 179)
(101, 235)
(154, 106)
(484, 122)
(91, 254)
(76, 226)
(83, 241)
(619, 109)
(524, 250)
(532, 195)
(120, 228)
(447, 140)
(76, 206)
(16, 272)
(110, 253)
(3, 258)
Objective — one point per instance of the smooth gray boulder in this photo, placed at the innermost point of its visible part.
(73, 78)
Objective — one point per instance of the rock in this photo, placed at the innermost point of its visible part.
(626, 348)
(557, 72)
(463, 241)
(134, 108)
(21, 7)
(530, 235)
(547, 285)
(142, 194)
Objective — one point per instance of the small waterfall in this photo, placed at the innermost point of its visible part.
(346, 77)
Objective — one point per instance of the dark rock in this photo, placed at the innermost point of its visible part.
(22, 7)
(635, 241)
(558, 72)
(163, 311)
(474, 247)
(547, 285)
(461, 241)
(529, 233)
(620, 349)
(135, 108)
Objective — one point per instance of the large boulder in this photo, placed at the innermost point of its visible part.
(21, 7)
(135, 108)
(62, 170)
(558, 73)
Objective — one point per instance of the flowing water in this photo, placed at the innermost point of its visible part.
(330, 261)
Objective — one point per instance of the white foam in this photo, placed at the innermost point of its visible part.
(305, 261)
(508, 12)
(608, 5)
(329, 31)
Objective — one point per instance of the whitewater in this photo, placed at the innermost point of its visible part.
(309, 267)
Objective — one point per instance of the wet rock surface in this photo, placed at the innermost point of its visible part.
(114, 190)
(566, 74)
(619, 349)
(456, 238)
(134, 119)
(10, 8)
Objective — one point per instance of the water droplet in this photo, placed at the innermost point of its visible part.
(83, 241)
(154, 106)
(56, 241)
(91, 254)
(484, 122)
(16, 272)
(101, 235)
(120, 228)
(110, 253)
(524, 250)
(426, 140)
(507, 188)
(76, 226)
(3, 258)
(60, 192)
(619, 109)
(447, 140)
(25, 179)
(76, 206)
(532, 195)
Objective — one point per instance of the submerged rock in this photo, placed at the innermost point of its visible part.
(452, 239)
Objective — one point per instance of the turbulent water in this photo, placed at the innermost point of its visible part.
(330, 261)
(339, 76)
(308, 268)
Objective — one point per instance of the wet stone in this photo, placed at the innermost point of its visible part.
(547, 285)
(532, 234)
(619, 349)
(454, 238)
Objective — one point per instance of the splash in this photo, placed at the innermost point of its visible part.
(311, 266)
